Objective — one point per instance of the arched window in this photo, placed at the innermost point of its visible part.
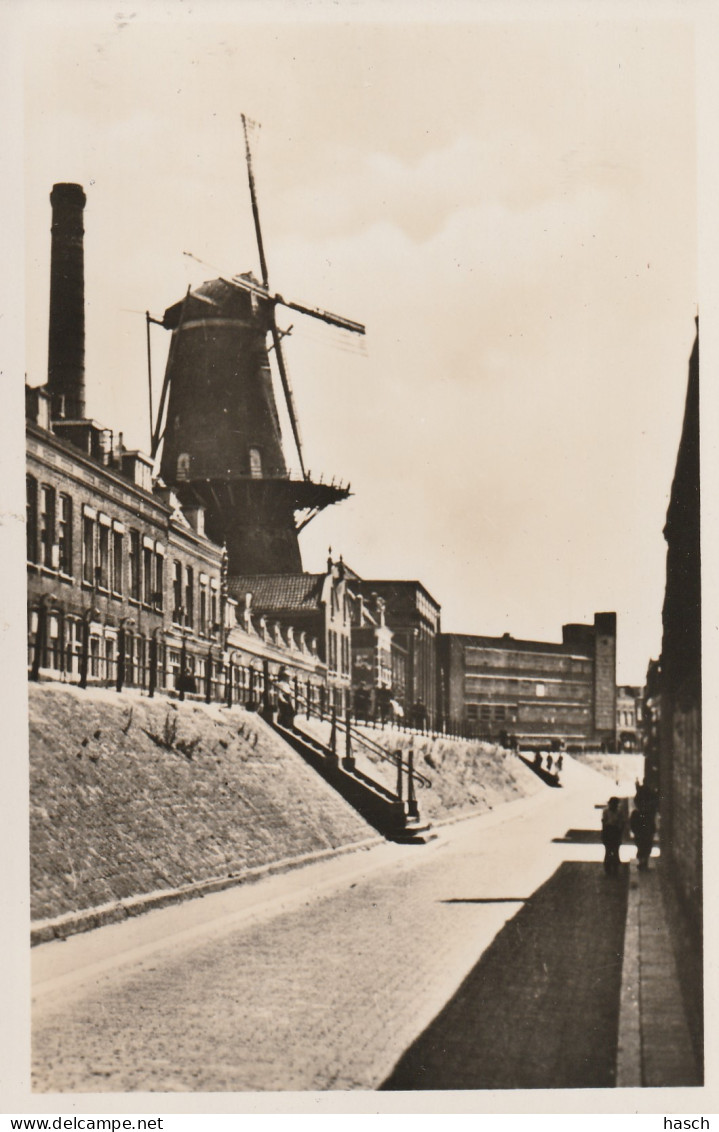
(255, 464)
(183, 466)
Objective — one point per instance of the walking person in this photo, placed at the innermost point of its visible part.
(612, 833)
(643, 825)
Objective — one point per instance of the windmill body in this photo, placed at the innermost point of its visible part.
(222, 404)
(222, 440)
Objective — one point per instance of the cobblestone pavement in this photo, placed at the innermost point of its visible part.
(554, 1022)
(329, 990)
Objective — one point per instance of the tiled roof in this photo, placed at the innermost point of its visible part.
(275, 593)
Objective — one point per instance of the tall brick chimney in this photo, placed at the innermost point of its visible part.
(66, 349)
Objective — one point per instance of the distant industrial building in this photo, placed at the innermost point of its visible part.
(538, 692)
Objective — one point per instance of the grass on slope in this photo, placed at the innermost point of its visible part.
(466, 775)
(130, 795)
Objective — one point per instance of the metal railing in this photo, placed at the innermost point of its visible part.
(341, 724)
(154, 663)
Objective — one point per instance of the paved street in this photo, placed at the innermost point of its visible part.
(329, 976)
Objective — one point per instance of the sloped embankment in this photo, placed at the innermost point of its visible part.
(466, 775)
(623, 769)
(131, 795)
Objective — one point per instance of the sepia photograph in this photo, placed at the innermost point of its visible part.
(362, 694)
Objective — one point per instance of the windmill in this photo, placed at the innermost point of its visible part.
(222, 440)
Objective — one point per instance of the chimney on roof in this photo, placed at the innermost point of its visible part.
(66, 347)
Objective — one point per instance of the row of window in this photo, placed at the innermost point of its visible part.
(114, 559)
(476, 684)
(62, 653)
(184, 462)
(48, 527)
(488, 659)
(486, 713)
(627, 718)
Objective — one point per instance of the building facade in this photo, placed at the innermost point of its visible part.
(118, 578)
(414, 617)
(124, 587)
(307, 607)
(372, 668)
(540, 693)
(629, 725)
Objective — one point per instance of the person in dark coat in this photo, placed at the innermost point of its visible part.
(285, 700)
(643, 824)
(612, 833)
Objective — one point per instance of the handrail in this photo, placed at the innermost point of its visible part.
(379, 750)
(386, 756)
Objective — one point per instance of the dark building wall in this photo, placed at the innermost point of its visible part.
(680, 674)
(652, 724)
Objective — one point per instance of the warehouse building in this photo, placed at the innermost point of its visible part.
(543, 694)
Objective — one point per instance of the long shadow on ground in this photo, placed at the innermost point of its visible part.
(540, 1009)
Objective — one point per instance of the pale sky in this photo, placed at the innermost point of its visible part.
(508, 205)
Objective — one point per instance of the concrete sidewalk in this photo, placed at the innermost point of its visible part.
(655, 1044)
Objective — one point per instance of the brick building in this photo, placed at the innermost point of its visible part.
(413, 615)
(538, 691)
(119, 581)
(308, 607)
(124, 586)
(372, 668)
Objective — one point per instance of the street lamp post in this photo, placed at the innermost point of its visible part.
(183, 657)
(41, 635)
(121, 649)
(230, 676)
(208, 676)
(87, 617)
(154, 658)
